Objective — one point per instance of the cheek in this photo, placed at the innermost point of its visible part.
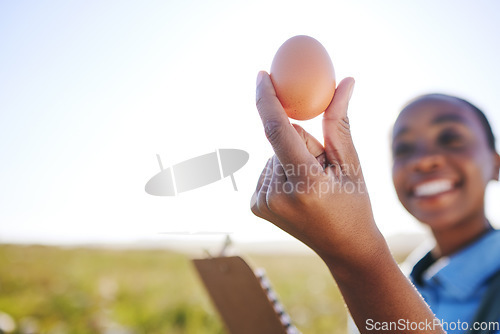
(477, 180)
(481, 168)
(398, 177)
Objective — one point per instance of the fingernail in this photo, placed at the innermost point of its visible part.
(259, 77)
(352, 89)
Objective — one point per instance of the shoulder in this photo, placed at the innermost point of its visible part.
(467, 270)
(417, 255)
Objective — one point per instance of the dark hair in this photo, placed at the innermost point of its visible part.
(481, 116)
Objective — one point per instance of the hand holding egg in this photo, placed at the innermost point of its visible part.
(320, 204)
(327, 206)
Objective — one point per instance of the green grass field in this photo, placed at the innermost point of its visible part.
(90, 290)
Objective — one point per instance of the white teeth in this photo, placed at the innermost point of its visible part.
(433, 187)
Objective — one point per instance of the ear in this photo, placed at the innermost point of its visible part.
(496, 171)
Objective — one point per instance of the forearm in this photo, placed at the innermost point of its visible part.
(380, 298)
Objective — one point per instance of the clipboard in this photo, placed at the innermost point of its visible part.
(243, 298)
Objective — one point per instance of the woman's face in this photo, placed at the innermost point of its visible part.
(441, 162)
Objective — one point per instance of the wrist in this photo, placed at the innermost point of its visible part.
(361, 257)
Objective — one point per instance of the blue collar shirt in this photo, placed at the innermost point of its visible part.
(454, 286)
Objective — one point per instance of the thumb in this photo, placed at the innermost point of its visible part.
(339, 147)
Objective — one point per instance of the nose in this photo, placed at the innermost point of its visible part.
(427, 161)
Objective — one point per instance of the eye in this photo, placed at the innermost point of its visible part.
(451, 139)
(402, 149)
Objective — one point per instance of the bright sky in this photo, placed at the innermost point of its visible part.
(91, 91)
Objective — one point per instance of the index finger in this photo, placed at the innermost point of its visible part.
(286, 142)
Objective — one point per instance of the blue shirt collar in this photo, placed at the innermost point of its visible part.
(465, 272)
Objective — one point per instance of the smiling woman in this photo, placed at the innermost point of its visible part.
(444, 156)
(442, 164)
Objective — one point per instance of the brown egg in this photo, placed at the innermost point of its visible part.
(303, 77)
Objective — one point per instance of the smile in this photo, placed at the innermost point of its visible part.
(433, 188)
